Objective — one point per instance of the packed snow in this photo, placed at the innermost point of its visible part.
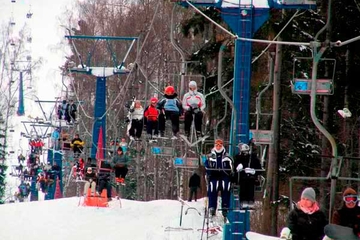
(132, 220)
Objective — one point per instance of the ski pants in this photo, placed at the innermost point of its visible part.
(120, 172)
(193, 192)
(214, 186)
(337, 232)
(152, 126)
(67, 117)
(189, 118)
(136, 128)
(73, 116)
(89, 184)
(174, 117)
(247, 190)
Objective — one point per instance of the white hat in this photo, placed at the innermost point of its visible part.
(192, 84)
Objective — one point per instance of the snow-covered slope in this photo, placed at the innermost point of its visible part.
(63, 219)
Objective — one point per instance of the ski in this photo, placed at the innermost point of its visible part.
(212, 230)
(168, 229)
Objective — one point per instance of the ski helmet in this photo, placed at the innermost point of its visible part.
(244, 148)
(219, 141)
(169, 90)
(192, 84)
(153, 100)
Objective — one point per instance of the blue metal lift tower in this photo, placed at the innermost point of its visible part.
(244, 17)
(101, 73)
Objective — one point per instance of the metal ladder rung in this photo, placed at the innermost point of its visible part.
(237, 222)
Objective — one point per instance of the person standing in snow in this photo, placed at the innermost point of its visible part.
(194, 185)
(193, 104)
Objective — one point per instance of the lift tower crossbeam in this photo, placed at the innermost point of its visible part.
(101, 73)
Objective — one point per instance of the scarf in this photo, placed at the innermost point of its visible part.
(308, 210)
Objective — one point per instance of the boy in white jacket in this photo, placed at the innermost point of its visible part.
(193, 103)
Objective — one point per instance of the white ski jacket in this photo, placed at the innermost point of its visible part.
(193, 99)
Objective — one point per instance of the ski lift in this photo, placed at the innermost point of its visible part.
(302, 81)
(16, 170)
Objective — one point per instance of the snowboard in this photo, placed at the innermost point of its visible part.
(337, 232)
(258, 236)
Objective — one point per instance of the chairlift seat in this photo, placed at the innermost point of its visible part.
(162, 151)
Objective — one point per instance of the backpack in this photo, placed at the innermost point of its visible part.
(171, 105)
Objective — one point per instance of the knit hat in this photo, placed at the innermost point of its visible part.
(192, 84)
(309, 193)
(349, 191)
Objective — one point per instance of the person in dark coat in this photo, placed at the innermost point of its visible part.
(306, 221)
(71, 109)
(119, 163)
(345, 220)
(90, 181)
(219, 168)
(246, 164)
(194, 184)
(104, 179)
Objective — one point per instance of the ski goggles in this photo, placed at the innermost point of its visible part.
(350, 198)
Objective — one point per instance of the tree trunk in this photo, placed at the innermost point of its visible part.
(274, 148)
(269, 179)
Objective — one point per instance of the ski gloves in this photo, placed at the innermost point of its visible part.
(285, 233)
(194, 109)
(239, 167)
(247, 170)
